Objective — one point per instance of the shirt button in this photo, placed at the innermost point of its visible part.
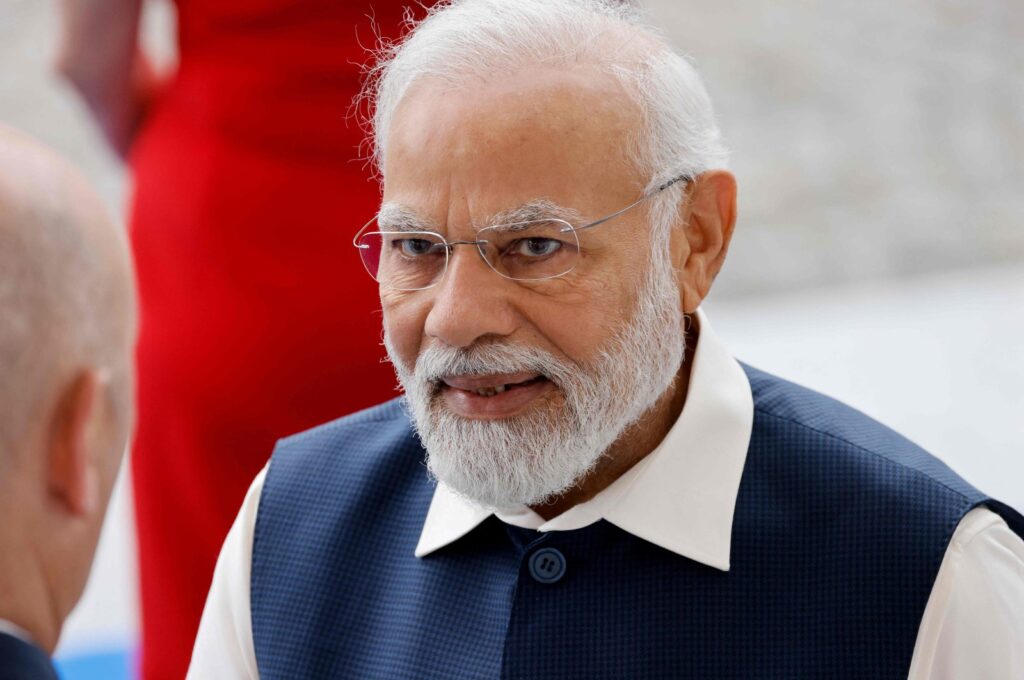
(547, 565)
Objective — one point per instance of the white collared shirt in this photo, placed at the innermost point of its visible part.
(973, 625)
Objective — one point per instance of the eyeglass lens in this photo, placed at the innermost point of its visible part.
(526, 251)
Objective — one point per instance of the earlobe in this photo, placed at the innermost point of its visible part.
(73, 474)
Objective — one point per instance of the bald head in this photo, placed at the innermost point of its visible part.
(66, 296)
(67, 327)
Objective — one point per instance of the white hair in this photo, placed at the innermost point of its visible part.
(466, 40)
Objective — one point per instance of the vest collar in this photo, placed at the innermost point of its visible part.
(680, 497)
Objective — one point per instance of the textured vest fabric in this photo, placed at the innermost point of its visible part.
(839, 531)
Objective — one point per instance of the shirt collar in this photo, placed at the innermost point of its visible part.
(680, 497)
(14, 630)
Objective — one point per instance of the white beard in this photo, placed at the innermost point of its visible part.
(534, 458)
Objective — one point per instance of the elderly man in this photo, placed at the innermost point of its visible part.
(67, 328)
(616, 496)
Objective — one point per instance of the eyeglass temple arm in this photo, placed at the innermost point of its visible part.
(637, 202)
(355, 239)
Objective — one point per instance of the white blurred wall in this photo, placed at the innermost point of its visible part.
(871, 139)
(938, 358)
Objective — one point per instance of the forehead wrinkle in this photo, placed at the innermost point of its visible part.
(395, 217)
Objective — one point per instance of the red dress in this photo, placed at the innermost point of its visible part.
(257, 318)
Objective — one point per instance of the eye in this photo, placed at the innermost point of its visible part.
(413, 247)
(535, 247)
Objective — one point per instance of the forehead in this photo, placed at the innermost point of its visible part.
(559, 134)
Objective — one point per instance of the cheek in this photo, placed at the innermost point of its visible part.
(582, 329)
(404, 323)
(589, 309)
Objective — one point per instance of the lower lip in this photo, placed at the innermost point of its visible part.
(509, 403)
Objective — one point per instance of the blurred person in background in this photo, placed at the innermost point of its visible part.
(256, 321)
(67, 328)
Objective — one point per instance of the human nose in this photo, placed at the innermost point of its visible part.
(470, 302)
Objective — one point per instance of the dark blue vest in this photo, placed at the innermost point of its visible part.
(839, 530)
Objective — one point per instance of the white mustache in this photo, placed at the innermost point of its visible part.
(437, 363)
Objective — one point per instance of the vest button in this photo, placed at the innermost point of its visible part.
(547, 565)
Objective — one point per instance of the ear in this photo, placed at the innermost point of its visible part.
(73, 463)
(699, 248)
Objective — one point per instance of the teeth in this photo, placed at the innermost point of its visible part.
(491, 391)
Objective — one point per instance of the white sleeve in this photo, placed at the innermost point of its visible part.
(224, 648)
(973, 626)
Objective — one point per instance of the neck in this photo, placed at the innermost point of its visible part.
(25, 599)
(636, 442)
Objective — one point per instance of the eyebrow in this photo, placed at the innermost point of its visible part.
(539, 209)
(394, 217)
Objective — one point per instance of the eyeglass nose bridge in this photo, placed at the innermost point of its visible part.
(481, 249)
(477, 243)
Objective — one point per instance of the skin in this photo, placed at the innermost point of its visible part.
(99, 55)
(57, 479)
(457, 158)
